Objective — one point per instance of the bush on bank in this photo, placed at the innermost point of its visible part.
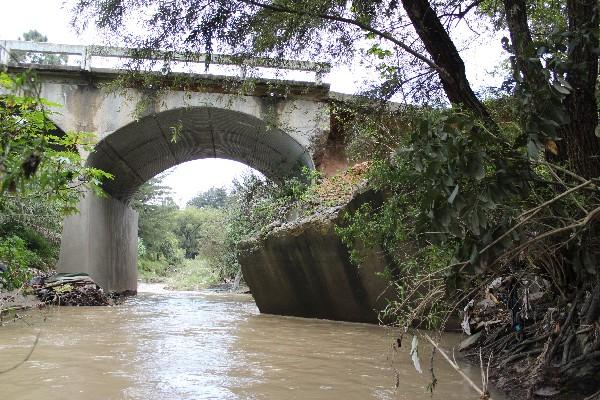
(466, 207)
(38, 165)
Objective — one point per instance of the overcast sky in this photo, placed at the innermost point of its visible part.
(51, 18)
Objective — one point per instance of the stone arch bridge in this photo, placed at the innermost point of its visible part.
(277, 128)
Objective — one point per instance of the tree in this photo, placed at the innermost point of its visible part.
(201, 233)
(34, 36)
(567, 60)
(36, 158)
(213, 197)
(38, 58)
(156, 210)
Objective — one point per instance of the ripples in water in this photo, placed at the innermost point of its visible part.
(207, 346)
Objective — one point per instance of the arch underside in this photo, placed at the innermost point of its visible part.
(143, 149)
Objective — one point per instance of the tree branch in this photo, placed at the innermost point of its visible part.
(27, 357)
(350, 21)
(579, 224)
(462, 13)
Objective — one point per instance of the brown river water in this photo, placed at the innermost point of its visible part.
(203, 345)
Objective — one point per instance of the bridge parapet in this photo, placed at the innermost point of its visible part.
(86, 56)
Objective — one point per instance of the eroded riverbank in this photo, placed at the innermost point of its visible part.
(207, 345)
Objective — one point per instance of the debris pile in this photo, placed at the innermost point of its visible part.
(541, 345)
(506, 304)
(76, 289)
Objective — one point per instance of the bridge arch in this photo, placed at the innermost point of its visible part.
(142, 149)
(102, 238)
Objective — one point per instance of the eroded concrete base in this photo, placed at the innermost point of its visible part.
(303, 269)
(101, 240)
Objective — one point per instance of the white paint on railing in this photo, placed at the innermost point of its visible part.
(88, 52)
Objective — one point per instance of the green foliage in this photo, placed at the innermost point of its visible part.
(466, 177)
(156, 210)
(169, 248)
(462, 201)
(153, 270)
(213, 197)
(46, 249)
(194, 275)
(141, 248)
(416, 267)
(37, 159)
(201, 234)
(371, 130)
(17, 258)
(170, 236)
(545, 16)
(258, 204)
(42, 177)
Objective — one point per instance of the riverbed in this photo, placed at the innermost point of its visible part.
(208, 345)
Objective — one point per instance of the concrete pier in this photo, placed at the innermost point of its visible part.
(101, 240)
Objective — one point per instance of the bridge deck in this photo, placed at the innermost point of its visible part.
(86, 55)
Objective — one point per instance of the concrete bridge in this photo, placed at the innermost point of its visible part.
(277, 127)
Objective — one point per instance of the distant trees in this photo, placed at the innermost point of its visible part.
(201, 232)
(156, 209)
(170, 234)
(213, 197)
(34, 36)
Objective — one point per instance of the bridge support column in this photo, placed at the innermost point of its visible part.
(101, 240)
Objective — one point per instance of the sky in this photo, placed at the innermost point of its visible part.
(53, 20)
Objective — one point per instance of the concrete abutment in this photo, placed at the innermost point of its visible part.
(101, 240)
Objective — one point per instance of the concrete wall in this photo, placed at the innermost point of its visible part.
(101, 240)
(303, 269)
(89, 108)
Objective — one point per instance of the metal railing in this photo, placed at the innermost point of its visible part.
(86, 53)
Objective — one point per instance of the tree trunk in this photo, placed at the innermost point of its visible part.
(531, 74)
(520, 37)
(583, 146)
(579, 144)
(446, 56)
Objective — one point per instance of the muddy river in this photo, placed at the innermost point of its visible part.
(203, 345)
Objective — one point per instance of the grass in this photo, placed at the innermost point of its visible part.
(152, 271)
(188, 275)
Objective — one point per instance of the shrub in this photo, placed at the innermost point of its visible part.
(17, 258)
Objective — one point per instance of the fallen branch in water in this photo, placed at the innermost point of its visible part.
(482, 392)
(37, 338)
